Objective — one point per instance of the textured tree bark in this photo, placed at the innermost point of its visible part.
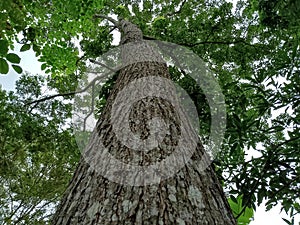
(190, 197)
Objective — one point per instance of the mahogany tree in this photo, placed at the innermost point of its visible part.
(130, 190)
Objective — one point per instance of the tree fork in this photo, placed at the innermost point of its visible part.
(190, 197)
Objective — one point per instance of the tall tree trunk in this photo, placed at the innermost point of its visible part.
(191, 196)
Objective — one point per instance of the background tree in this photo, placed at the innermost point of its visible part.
(38, 153)
(256, 64)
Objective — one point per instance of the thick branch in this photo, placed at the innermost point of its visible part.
(115, 22)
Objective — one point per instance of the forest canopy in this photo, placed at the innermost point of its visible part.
(251, 46)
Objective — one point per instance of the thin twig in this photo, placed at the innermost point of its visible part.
(79, 59)
(256, 183)
(264, 169)
(92, 109)
(178, 11)
(102, 64)
(70, 93)
(112, 29)
(215, 42)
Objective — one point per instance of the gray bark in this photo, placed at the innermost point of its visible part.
(191, 196)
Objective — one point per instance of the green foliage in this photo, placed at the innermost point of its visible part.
(13, 58)
(122, 12)
(104, 93)
(48, 27)
(3, 47)
(6, 58)
(279, 14)
(17, 68)
(3, 66)
(99, 45)
(25, 47)
(159, 22)
(237, 207)
(37, 155)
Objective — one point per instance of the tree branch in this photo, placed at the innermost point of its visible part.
(112, 29)
(92, 109)
(102, 64)
(115, 22)
(36, 102)
(255, 185)
(215, 42)
(79, 59)
(145, 37)
(262, 173)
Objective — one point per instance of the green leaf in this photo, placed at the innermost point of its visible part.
(237, 206)
(43, 66)
(260, 196)
(268, 207)
(13, 58)
(287, 221)
(233, 199)
(17, 68)
(25, 47)
(3, 66)
(36, 49)
(3, 47)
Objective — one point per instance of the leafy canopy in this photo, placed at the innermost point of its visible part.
(252, 49)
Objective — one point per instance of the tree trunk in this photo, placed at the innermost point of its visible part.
(190, 196)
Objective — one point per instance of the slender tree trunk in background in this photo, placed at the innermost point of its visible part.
(189, 197)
